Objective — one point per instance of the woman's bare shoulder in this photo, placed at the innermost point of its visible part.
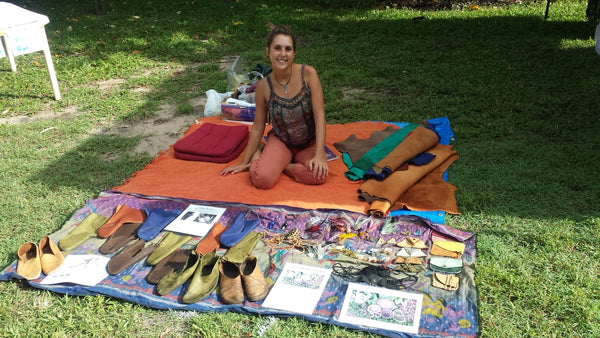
(262, 88)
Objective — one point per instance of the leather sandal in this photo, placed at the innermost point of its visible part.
(125, 234)
(130, 255)
(167, 265)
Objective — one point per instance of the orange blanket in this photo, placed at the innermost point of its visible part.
(168, 176)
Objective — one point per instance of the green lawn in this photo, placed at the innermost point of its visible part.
(522, 94)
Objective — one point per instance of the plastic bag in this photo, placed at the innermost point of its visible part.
(213, 102)
(236, 75)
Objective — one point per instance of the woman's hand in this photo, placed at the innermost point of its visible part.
(234, 169)
(318, 166)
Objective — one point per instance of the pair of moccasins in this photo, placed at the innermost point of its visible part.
(236, 281)
(240, 281)
(201, 270)
(237, 273)
(33, 259)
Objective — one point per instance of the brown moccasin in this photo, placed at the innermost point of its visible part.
(230, 283)
(255, 285)
(29, 265)
(50, 256)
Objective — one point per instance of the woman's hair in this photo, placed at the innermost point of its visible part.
(281, 29)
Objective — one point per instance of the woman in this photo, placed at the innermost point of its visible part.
(291, 98)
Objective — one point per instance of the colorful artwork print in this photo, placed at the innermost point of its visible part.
(298, 288)
(382, 308)
(309, 280)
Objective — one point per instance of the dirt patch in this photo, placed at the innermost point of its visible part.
(161, 130)
(65, 114)
(157, 132)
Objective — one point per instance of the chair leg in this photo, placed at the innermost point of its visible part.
(547, 9)
(50, 67)
(8, 50)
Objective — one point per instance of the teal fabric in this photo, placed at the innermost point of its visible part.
(377, 153)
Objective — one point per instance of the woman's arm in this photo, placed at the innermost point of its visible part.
(318, 165)
(256, 132)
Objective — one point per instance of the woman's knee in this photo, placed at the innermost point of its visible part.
(305, 176)
(262, 180)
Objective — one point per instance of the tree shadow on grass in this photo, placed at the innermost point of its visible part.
(521, 93)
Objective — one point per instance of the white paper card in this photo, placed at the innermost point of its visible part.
(298, 288)
(382, 308)
(86, 270)
(196, 220)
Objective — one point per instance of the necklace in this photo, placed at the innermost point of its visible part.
(284, 85)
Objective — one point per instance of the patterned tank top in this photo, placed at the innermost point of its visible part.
(292, 119)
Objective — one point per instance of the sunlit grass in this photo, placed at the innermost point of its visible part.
(522, 95)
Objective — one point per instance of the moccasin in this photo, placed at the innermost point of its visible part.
(255, 285)
(167, 265)
(176, 278)
(123, 214)
(204, 280)
(238, 230)
(230, 283)
(166, 246)
(156, 220)
(85, 230)
(122, 236)
(238, 253)
(29, 265)
(50, 256)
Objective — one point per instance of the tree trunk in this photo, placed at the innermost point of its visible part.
(99, 7)
(593, 11)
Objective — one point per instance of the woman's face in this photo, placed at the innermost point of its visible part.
(281, 52)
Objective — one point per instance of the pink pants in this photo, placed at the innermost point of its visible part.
(265, 171)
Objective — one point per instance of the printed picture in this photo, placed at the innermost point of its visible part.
(196, 220)
(382, 308)
(310, 279)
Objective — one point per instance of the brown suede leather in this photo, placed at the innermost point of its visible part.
(29, 265)
(50, 256)
(123, 235)
(230, 283)
(130, 255)
(255, 285)
(399, 182)
(165, 266)
(416, 142)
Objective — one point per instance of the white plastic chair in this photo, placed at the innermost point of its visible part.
(22, 32)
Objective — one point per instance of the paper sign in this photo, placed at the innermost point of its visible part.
(196, 220)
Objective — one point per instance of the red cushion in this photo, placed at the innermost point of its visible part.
(212, 143)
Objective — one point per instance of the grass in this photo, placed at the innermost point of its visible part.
(521, 94)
